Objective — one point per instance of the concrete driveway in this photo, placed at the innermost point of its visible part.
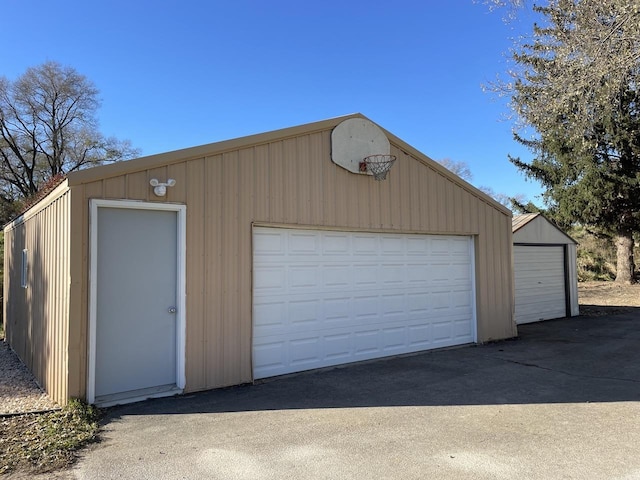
(562, 401)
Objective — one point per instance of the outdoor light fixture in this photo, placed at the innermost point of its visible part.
(160, 189)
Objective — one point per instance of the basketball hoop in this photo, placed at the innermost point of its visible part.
(378, 165)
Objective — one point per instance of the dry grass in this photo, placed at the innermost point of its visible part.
(37, 443)
(607, 298)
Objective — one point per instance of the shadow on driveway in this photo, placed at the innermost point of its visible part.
(577, 360)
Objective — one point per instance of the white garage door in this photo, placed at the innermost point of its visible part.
(539, 279)
(323, 298)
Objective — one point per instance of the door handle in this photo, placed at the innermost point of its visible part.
(173, 309)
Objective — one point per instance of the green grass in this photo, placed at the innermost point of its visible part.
(38, 443)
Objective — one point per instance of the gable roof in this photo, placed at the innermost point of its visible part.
(536, 228)
(520, 221)
(177, 156)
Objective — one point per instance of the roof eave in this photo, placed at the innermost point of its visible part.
(177, 156)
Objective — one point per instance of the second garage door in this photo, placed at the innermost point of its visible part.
(323, 298)
(539, 273)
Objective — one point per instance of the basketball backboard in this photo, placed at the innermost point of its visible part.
(353, 140)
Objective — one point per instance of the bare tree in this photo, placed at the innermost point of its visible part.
(512, 203)
(48, 127)
(462, 169)
(458, 167)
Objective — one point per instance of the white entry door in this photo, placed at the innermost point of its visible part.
(136, 329)
(323, 298)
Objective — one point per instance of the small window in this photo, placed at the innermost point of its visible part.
(23, 277)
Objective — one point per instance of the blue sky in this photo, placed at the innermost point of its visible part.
(179, 74)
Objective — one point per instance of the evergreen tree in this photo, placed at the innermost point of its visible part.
(576, 88)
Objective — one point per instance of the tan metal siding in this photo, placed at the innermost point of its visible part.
(214, 280)
(197, 342)
(36, 316)
(291, 182)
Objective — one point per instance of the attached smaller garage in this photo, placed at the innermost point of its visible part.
(545, 272)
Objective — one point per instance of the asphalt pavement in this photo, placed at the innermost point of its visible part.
(560, 402)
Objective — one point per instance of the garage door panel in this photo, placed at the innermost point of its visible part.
(365, 245)
(269, 280)
(272, 356)
(442, 332)
(463, 299)
(393, 305)
(417, 246)
(305, 351)
(269, 244)
(362, 296)
(549, 294)
(394, 338)
(392, 275)
(304, 244)
(336, 244)
(270, 315)
(462, 329)
(365, 275)
(336, 276)
(337, 346)
(275, 318)
(337, 309)
(366, 342)
(305, 314)
(417, 274)
(539, 283)
(419, 336)
(392, 245)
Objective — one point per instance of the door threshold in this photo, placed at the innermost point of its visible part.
(137, 395)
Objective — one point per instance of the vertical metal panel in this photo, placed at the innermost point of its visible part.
(244, 263)
(343, 207)
(414, 171)
(215, 274)
(314, 176)
(37, 316)
(451, 206)
(431, 212)
(79, 328)
(457, 209)
(505, 256)
(328, 192)
(138, 187)
(276, 194)
(302, 181)
(261, 181)
(363, 202)
(482, 291)
(177, 193)
(404, 179)
(465, 211)
(114, 187)
(293, 182)
(196, 341)
(78, 316)
(395, 197)
(230, 248)
(290, 185)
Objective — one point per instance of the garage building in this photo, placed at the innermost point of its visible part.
(545, 272)
(248, 258)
